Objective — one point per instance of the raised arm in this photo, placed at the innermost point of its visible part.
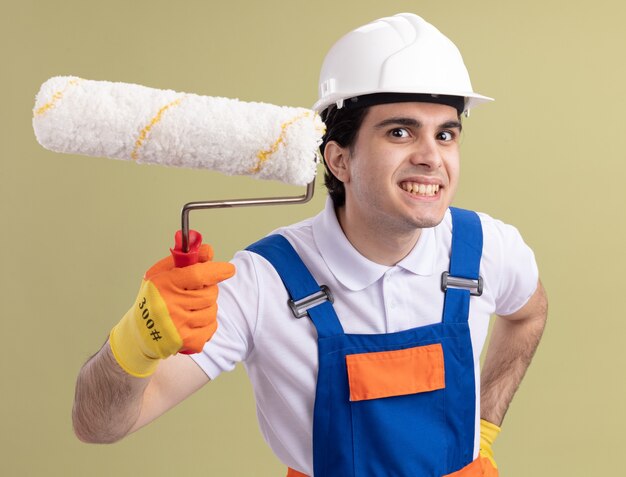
(138, 375)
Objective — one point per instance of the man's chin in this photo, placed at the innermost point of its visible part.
(429, 221)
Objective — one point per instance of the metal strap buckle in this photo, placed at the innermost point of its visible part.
(299, 308)
(475, 287)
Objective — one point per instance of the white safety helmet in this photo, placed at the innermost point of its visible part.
(398, 54)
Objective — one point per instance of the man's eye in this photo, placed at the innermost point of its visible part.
(399, 132)
(445, 136)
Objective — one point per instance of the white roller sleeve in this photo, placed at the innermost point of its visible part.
(147, 125)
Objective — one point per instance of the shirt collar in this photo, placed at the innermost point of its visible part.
(351, 268)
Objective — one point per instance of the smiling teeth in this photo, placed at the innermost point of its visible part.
(420, 189)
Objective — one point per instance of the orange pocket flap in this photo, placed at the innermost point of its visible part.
(395, 373)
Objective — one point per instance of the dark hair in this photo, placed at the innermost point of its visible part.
(342, 126)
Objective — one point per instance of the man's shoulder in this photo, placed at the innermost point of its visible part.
(298, 234)
(498, 229)
(489, 223)
(496, 232)
(299, 227)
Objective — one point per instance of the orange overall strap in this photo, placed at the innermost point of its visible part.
(475, 469)
(294, 473)
(480, 467)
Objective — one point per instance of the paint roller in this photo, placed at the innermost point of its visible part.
(146, 125)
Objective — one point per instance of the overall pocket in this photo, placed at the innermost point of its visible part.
(398, 411)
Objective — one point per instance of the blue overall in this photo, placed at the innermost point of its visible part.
(422, 434)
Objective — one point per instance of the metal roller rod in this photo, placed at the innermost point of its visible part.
(220, 204)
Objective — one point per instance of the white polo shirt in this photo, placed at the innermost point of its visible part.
(256, 326)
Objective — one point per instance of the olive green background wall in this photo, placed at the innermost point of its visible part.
(78, 232)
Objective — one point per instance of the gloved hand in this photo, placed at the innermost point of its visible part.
(488, 434)
(175, 311)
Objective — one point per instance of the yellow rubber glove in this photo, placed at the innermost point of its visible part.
(488, 434)
(175, 311)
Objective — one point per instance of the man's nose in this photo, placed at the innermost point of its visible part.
(426, 154)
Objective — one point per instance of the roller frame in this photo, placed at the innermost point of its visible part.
(221, 204)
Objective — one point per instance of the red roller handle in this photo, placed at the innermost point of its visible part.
(184, 259)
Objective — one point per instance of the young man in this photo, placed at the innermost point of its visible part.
(360, 328)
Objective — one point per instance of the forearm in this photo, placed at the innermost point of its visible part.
(107, 400)
(514, 340)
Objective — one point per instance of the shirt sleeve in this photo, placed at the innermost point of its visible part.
(238, 303)
(514, 265)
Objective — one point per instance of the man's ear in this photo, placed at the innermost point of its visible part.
(336, 158)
